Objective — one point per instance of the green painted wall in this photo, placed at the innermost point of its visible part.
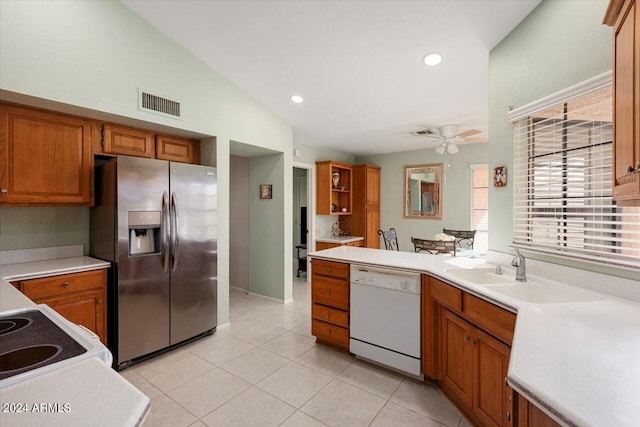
(92, 56)
(559, 44)
(266, 273)
(34, 227)
(456, 196)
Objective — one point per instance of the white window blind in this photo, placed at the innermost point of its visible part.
(563, 183)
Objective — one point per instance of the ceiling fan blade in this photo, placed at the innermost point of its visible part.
(477, 139)
(469, 132)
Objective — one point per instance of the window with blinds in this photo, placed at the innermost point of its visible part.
(563, 185)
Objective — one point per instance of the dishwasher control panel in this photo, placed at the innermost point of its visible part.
(385, 278)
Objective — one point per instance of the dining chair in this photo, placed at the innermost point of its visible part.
(434, 247)
(390, 238)
(464, 238)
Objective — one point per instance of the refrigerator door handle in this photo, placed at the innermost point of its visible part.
(167, 231)
(176, 238)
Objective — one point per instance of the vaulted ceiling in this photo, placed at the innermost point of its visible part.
(357, 64)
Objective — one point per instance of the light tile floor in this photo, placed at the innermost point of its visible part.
(266, 370)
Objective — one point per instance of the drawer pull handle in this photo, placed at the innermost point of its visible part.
(327, 315)
(66, 284)
(100, 301)
(328, 270)
(327, 292)
(329, 332)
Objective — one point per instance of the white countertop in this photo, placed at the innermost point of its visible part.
(341, 240)
(578, 361)
(97, 395)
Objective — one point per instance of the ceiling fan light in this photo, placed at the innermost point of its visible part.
(452, 148)
(440, 149)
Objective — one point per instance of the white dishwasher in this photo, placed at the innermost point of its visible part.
(385, 317)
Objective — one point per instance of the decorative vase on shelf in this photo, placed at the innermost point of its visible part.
(335, 178)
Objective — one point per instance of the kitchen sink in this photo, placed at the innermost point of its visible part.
(542, 294)
(480, 276)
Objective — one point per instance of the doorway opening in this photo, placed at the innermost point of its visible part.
(303, 218)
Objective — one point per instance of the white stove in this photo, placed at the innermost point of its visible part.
(37, 340)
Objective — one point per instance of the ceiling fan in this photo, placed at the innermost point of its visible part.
(449, 136)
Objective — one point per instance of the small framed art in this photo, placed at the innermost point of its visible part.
(500, 176)
(266, 191)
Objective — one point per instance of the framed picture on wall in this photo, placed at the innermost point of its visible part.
(265, 191)
(500, 176)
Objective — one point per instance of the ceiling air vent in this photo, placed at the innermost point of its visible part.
(157, 104)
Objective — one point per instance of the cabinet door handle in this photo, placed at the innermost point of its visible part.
(505, 382)
(509, 416)
(466, 337)
(3, 190)
(474, 342)
(66, 284)
(630, 169)
(99, 301)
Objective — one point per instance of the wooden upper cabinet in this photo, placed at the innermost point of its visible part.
(332, 198)
(128, 141)
(45, 158)
(365, 220)
(177, 149)
(624, 16)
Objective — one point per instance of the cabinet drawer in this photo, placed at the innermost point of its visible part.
(330, 268)
(63, 284)
(330, 333)
(330, 291)
(446, 295)
(330, 315)
(493, 319)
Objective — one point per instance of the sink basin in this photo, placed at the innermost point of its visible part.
(480, 276)
(542, 294)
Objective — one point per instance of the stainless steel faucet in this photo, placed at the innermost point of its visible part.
(518, 262)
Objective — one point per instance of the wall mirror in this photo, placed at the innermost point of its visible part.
(423, 191)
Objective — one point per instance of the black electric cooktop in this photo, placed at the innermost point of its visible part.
(30, 340)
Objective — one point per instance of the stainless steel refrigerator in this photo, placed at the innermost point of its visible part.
(156, 222)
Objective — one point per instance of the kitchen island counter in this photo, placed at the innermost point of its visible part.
(575, 360)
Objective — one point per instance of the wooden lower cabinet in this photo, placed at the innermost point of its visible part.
(79, 297)
(474, 370)
(530, 416)
(330, 302)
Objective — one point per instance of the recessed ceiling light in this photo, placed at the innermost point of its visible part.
(297, 99)
(432, 59)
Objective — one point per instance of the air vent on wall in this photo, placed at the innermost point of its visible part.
(157, 104)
